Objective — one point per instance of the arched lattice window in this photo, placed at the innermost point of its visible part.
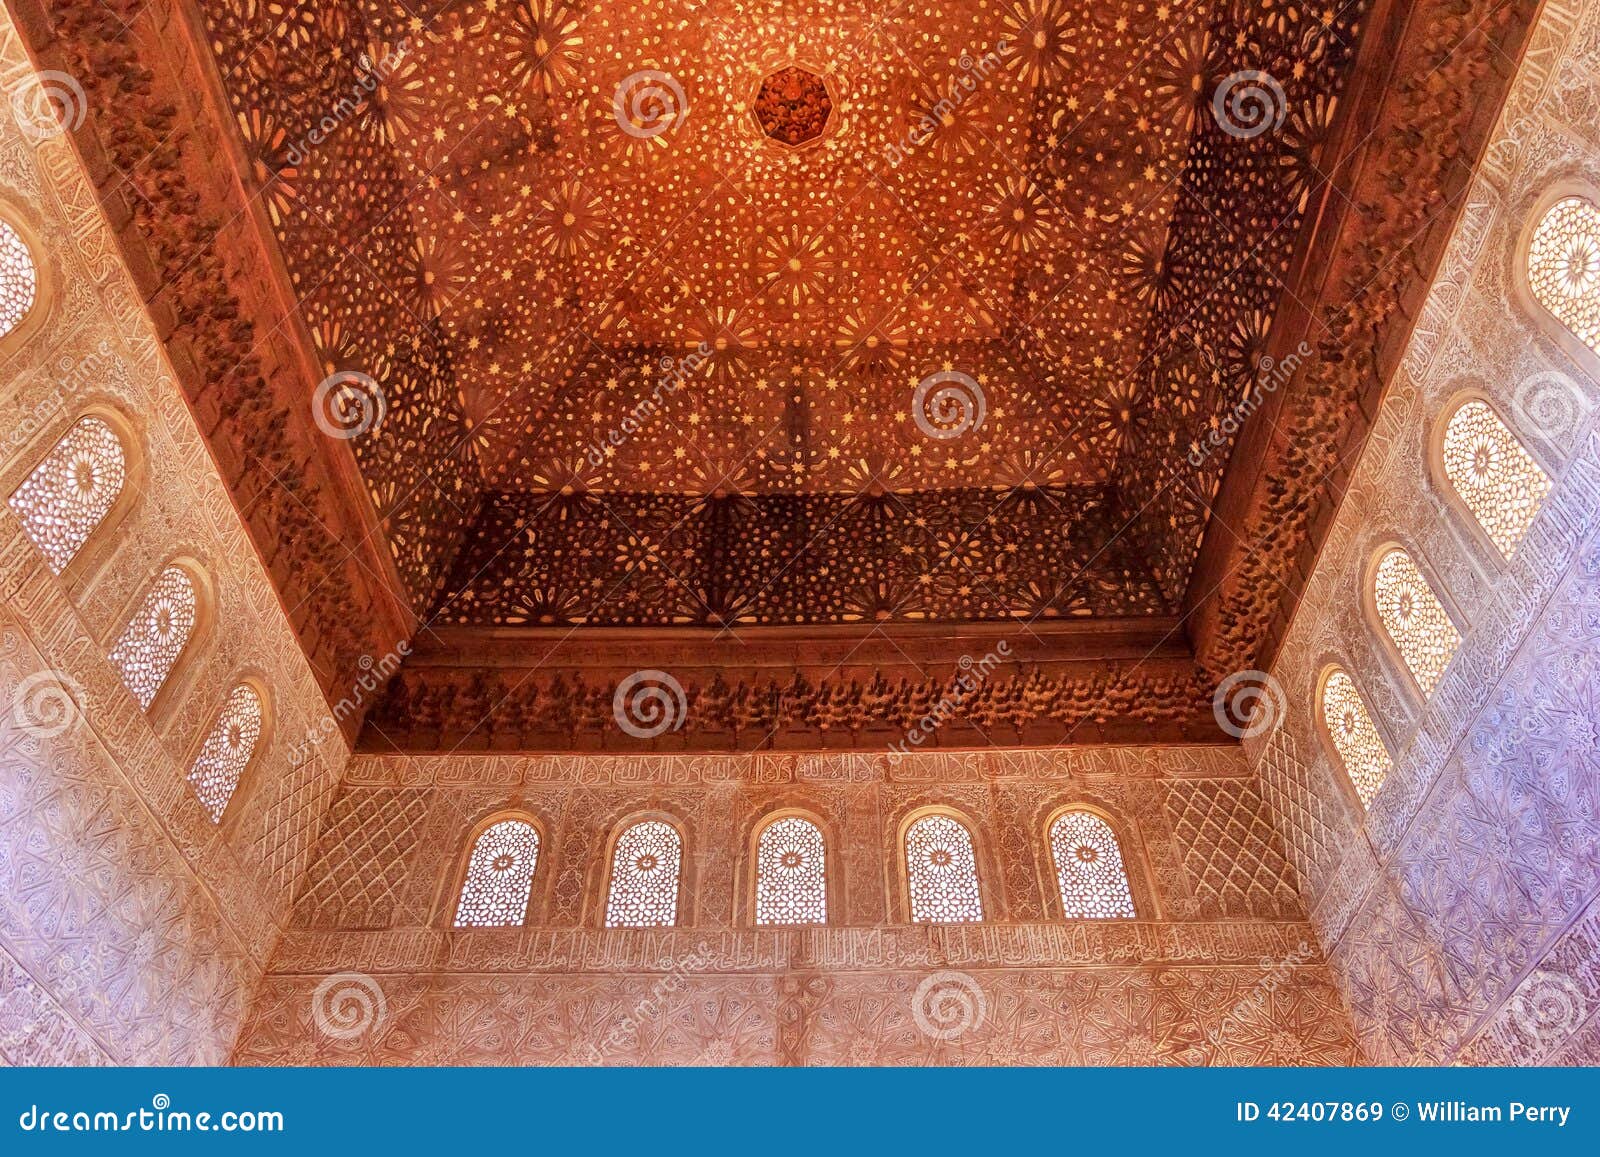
(1355, 737)
(1498, 480)
(1564, 266)
(152, 642)
(644, 876)
(499, 876)
(19, 279)
(791, 873)
(71, 491)
(942, 872)
(1089, 867)
(1414, 618)
(227, 750)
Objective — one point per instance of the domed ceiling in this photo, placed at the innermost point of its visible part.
(847, 335)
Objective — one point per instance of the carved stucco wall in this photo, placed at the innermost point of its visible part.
(1220, 968)
(132, 929)
(1461, 916)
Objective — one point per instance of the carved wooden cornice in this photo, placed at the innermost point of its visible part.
(906, 689)
(1427, 90)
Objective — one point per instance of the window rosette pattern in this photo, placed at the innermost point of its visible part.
(1414, 618)
(499, 876)
(1564, 266)
(791, 873)
(71, 491)
(152, 642)
(1498, 480)
(1089, 868)
(227, 751)
(942, 872)
(19, 279)
(1355, 737)
(644, 877)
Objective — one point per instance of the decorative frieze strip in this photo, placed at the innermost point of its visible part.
(1259, 943)
(473, 770)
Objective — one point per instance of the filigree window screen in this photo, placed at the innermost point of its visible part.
(791, 873)
(499, 876)
(645, 867)
(942, 872)
(227, 751)
(160, 629)
(68, 495)
(1564, 266)
(19, 279)
(1355, 737)
(1089, 870)
(1414, 618)
(1494, 475)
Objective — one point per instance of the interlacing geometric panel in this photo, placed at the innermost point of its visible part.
(1344, 713)
(791, 873)
(1089, 867)
(1414, 618)
(19, 279)
(499, 876)
(942, 872)
(72, 490)
(1564, 266)
(152, 642)
(644, 877)
(227, 751)
(1498, 480)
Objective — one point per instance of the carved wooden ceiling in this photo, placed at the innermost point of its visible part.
(782, 316)
(524, 217)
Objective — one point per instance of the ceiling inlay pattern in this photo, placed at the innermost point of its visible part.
(670, 249)
(661, 560)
